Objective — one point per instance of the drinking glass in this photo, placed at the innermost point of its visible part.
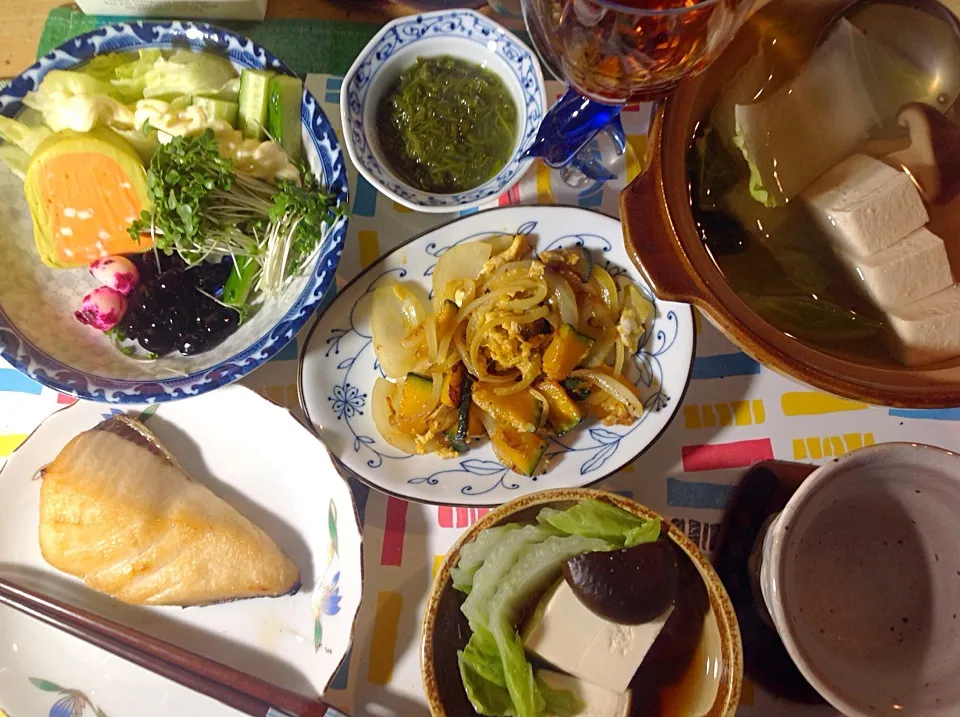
(615, 52)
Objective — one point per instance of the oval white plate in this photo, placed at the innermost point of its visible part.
(261, 460)
(338, 369)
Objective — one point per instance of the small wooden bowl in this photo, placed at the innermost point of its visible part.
(444, 630)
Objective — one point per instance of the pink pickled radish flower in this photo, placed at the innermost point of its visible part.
(102, 308)
(117, 272)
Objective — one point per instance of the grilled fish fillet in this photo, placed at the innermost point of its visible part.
(118, 511)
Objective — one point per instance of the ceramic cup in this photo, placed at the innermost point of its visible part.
(861, 576)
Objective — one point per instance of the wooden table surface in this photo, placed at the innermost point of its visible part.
(21, 21)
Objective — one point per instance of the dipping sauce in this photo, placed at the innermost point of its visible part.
(447, 125)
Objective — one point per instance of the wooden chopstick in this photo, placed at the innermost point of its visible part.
(232, 687)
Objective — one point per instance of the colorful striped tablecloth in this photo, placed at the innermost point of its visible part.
(735, 413)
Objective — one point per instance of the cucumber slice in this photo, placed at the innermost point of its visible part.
(219, 109)
(252, 116)
(283, 115)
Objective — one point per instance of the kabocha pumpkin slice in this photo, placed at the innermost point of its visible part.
(453, 386)
(564, 413)
(566, 350)
(520, 452)
(85, 189)
(576, 259)
(414, 405)
(458, 435)
(519, 410)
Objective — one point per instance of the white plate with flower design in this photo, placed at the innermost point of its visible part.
(260, 459)
(338, 369)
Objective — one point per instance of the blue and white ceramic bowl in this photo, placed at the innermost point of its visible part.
(338, 369)
(38, 333)
(461, 33)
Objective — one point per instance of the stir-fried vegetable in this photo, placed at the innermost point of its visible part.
(513, 343)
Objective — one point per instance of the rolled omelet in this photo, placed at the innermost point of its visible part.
(84, 190)
(118, 511)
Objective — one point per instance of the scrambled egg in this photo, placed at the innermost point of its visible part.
(518, 248)
(513, 344)
(631, 328)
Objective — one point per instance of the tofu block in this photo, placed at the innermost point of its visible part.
(571, 637)
(809, 124)
(926, 331)
(910, 270)
(864, 206)
(597, 702)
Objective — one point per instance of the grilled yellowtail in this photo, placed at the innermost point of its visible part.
(118, 511)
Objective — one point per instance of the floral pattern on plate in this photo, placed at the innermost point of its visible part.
(70, 703)
(338, 369)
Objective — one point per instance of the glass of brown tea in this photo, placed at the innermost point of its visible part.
(615, 52)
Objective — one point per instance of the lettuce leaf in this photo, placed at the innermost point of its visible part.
(757, 191)
(483, 656)
(498, 563)
(559, 703)
(538, 565)
(15, 158)
(486, 697)
(21, 135)
(473, 554)
(597, 519)
(187, 73)
(105, 67)
(73, 100)
(130, 79)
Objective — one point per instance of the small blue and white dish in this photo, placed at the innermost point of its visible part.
(338, 369)
(464, 34)
(38, 332)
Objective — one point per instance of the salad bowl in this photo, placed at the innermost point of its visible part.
(38, 332)
(338, 369)
(464, 34)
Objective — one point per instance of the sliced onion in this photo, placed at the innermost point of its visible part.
(500, 244)
(527, 302)
(430, 327)
(545, 413)
(528, 378)
(615, 388)
(488, 421)
(511, 271)
(395, 311)
(481, 302)
(562, 298)
(606, 286)
(618, 365)
(383, 393)
(464, 261)
(458, 342)
(435, 392)
(601, 349)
